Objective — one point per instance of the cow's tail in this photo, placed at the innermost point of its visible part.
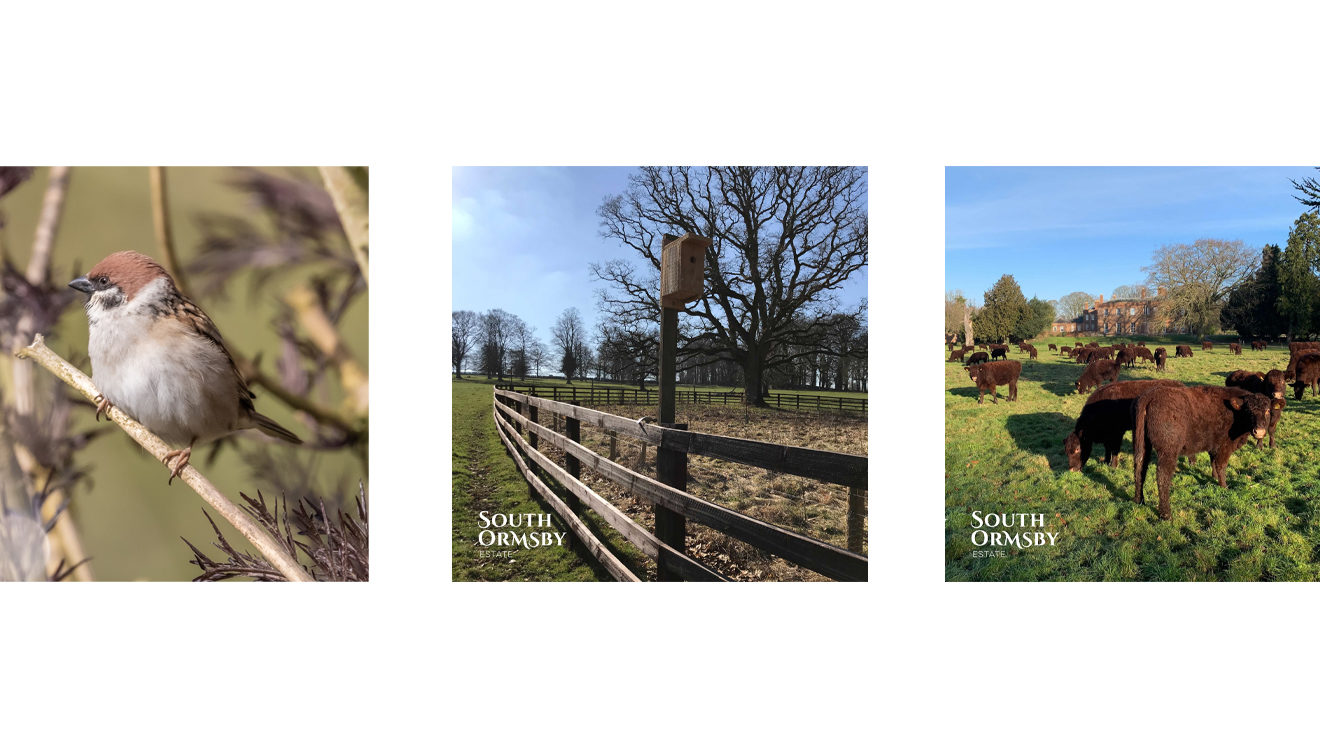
(1139, 407)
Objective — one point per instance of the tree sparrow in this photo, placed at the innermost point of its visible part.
(161, 360)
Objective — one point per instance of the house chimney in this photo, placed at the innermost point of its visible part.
(1100, 300)
(1160, 291)
(1143, 292)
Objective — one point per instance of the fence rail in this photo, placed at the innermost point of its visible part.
(620, 396)
(515, 411)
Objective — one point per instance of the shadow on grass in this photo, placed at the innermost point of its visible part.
(1042, 434)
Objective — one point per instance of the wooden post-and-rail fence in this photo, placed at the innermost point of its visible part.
(514, 412)
(620, 396)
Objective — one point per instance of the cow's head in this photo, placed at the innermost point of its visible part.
(1072, 448)
(1257, 408)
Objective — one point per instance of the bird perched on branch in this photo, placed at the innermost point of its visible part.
(160, 359)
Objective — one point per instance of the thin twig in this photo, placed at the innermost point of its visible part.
(160, 214)
(351, 204)
(259, 538)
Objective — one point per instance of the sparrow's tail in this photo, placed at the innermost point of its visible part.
(267, 426)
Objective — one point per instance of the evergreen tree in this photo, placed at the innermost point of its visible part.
(1253, 307)
(1005, 306)
(1299, 286)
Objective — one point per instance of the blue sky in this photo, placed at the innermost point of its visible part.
(1062, 229)
(524, 237)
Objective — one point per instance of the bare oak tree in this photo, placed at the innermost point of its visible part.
(784, 240)
(570, 337)
(1199, 278)
(464, 327)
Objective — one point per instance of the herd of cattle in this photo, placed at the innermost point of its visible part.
(1168, 419)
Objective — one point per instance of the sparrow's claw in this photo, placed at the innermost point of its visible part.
(183, 455)
(102, 405)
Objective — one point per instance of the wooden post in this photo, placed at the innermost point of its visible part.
(671, 527)
(571, 463)
(614, 447)
(856, 518)
(531, 433)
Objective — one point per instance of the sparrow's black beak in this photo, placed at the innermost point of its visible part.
(82, 284)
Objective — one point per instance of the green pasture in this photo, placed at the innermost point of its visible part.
(1008, 458)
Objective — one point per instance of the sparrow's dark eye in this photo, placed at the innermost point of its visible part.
(103, 281)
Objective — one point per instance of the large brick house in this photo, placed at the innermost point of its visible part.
(1138, 316)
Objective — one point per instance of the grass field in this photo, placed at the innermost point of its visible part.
(485, 477)
(1008, 458)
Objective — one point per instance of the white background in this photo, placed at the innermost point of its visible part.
(411, 659)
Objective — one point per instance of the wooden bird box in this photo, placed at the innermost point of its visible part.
(682, 269)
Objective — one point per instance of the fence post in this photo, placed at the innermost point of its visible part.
(531, 433)
(856, 517)
(671, 527)
(614, 446)
(571, 464)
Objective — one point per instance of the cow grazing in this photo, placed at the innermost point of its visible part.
(1235, 349)
(1143, 354)
(1207, 345)
(1257, 345)
(979, 357)
(1031, 350)
(1183, 351)
(982, 346)
(957, 355)
(1065, 351)
(1125, 358)
(1106, 416)
(1097, 372)
(1161, 356)
(991, 375)
(1169, 422)
(1306, 371)
(1053, 347)
(998, 352)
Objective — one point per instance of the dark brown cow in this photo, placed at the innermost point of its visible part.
(982, 346)
(1053, 347)
(998, 352)
(1169, 422)
(1106, 416)
(1270, 384)
(1235, 349)
(957, 355)
(1144, 354)
(1306, 370)
(991, 375)
(1183, 351)
(1125, 358)
(1065, 351)
(979, 357)
(1031, 352)
(1206, 345)
(1295, 351)
(1161, 356)
(1257, 345)
(1097, 372)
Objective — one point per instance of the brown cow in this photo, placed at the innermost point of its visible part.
(1065, 351)
(1144, 354)
(1235, 349)
(1161, 356)
(957, 355)
(1106, 416)
(1257, 345)
(1053, 347)
(1183, 351)
(988, 376)
(1169, 422)
(998, 352)
(1031, 351)
(1125, 358)
(1206, 345)
(1306, 370)
(979, 357)
(1295, 351)
(1270, 385)
(982, 346)
(1097, 372)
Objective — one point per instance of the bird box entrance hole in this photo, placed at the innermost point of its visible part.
(682, 269)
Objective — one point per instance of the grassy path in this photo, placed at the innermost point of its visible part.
(486, 479)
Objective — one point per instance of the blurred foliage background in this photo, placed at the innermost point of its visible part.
(131, 521)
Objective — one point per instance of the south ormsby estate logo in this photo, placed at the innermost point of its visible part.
(994, 532)
(502, 535)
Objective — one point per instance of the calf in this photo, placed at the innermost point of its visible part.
(1053, 347)
(1106, 416)
(1306, 370)
(1235, 349)
(1144, 354)
(1206, 345)
(1269, 384)
(998, 352)
(982, 346)
(957, 355)
(979, 357)
(1296, 351)
(1169, 422)
(1161, 356)
(1097, 372)
(1183, 351)
(1257, 345)
(1125, 358)
(1065, 351)
(988, 376)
